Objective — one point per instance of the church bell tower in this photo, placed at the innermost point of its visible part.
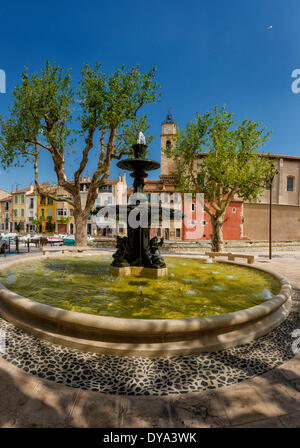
(167, 139)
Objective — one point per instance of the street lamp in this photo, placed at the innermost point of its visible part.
(270, 216)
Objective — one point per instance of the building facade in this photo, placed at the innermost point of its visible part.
(285, 204)
(19, 210)
(113, 192)
(31, 211)
(196, 224)
(6, 213)
(64, 213)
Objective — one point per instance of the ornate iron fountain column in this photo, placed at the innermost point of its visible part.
(137, 249)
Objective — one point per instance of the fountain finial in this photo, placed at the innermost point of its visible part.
(141, 139)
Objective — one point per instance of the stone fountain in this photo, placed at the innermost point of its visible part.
(137, 253)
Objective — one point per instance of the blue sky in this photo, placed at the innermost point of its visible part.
(207, 52)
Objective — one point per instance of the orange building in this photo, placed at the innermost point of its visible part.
(46, 211)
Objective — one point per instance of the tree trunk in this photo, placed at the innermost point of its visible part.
(217, 234)
(80, 229)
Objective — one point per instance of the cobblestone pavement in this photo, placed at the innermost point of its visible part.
(269, 400)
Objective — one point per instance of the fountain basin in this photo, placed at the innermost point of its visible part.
(144, 337)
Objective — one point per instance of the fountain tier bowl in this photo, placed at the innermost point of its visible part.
(144, 336)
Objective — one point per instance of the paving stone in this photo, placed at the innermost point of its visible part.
(291, 369)
(48, 406)
(280, 395)
(147, 412)
(245, 405)
(266, 423)
(94, 410)
(202, 410)
(291, 420)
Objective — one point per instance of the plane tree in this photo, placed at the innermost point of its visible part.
(223, 160)
(97, 120)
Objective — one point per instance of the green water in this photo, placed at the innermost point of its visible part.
(193, 288)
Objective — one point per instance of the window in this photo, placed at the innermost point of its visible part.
(168, 145)
(290, 183)
(121, 229)
(6, 205)
(16, 199)
(193, 207)
(62, 195)
(200, 180)
(105, 188)
(233, 210)
(50, 201)
(204, 222)
(31, 205)
(71, 212)
(22, 199)
(159, 232)
(49, 211)
(42, 213)
(166, 197)
(193, 222)
(43, 200)
(15, 212)
(22, 212)
(61, 212)
(178, 233)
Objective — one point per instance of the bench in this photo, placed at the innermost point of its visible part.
(231, 256)
(63, 249)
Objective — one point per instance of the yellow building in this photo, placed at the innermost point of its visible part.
(46, 212)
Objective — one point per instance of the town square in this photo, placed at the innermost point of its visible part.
(150, 218)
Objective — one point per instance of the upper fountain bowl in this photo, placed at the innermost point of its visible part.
(139, 162)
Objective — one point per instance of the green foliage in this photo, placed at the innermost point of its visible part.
(18, 226)
(50, 226)
(64, 220)
(38, 224)
(46, 107)
(113, 101)
(41, 104)
(220, 158)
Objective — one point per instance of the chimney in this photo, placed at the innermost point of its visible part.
(124, 178)
(89, 178)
